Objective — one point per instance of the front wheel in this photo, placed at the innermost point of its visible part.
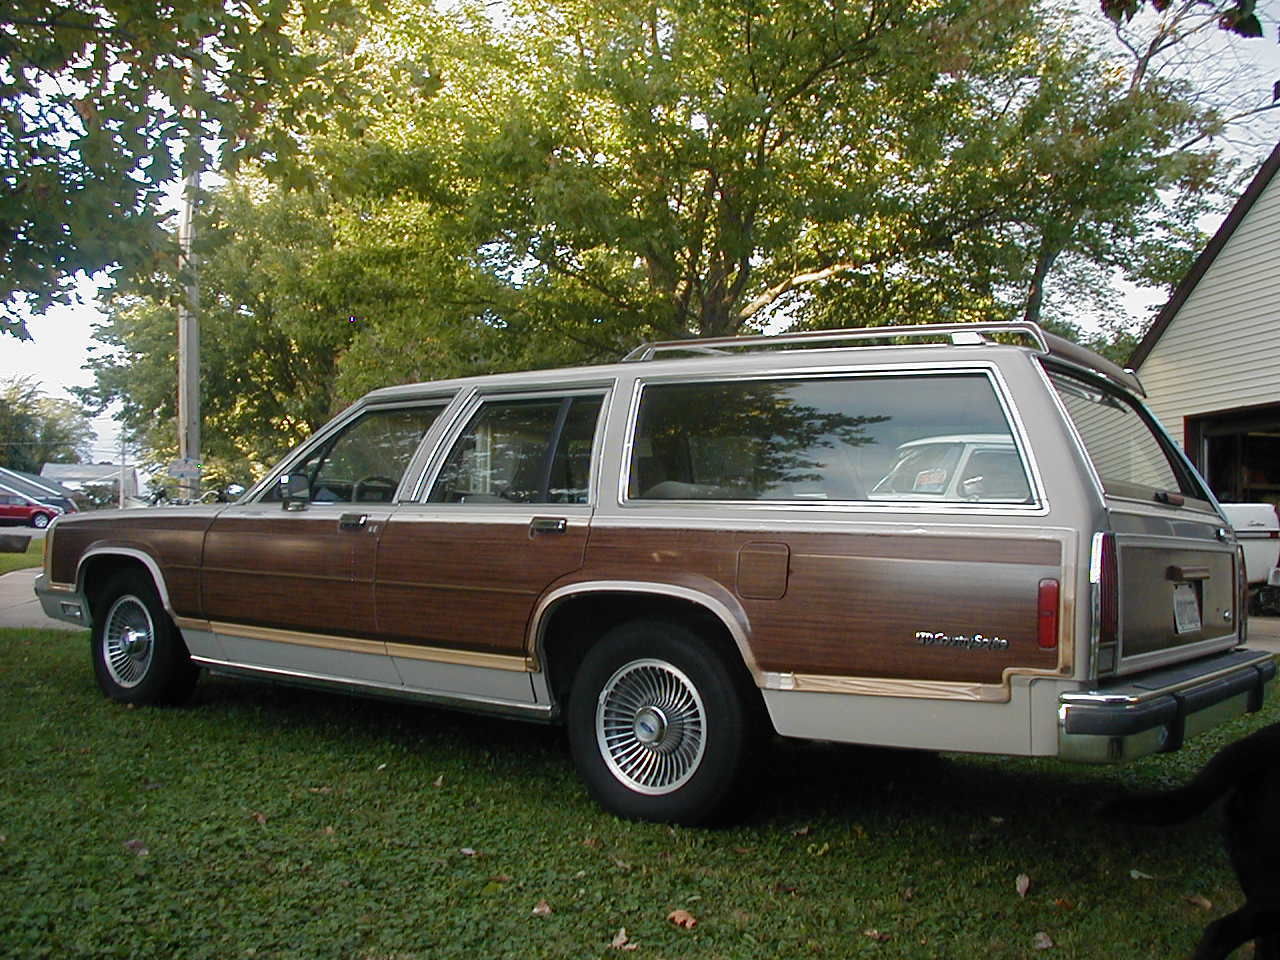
(659, 724)
(40, 521)
(138, 652)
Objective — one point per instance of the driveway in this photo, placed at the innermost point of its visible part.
(19, 606)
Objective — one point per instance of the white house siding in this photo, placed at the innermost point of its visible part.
(1222, 349)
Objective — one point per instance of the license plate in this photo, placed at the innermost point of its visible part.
(1186, 609)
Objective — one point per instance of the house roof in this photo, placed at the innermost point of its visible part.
(30, 485)
(82, 472)
(1210, 253)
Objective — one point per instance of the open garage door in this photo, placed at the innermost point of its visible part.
(1239, 453)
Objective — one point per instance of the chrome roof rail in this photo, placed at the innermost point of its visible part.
(958, 334)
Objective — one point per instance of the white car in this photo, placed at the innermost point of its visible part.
(966, 467)
(1257, 526)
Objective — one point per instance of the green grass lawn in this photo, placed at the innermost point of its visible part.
(33, 557)
(264, 822)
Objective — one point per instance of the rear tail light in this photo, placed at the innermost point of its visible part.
(1104, 578)
(1108, 581)
(1047, 615)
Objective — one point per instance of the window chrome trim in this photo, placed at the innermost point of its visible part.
(340, 423)
(989, 369)
(474, 401)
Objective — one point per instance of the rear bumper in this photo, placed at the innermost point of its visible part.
(1157, 711)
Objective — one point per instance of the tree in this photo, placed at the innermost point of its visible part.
(36, 429)
(300, 297)
(1235, 16)
(99, 98)
(712, 168)
(556, 186)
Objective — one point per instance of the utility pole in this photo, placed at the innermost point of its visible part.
(123, 457)
(189, 316)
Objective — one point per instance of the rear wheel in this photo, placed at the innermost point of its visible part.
(40, 520)
(659, 724)
(138, 652)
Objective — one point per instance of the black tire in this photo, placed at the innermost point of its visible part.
(40, 520)
(138, 653)
(660, 725)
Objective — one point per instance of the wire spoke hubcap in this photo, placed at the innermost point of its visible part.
(128, 641)
(651, 726)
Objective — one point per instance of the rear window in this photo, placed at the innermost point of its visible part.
(924, 438)
(1121, 441)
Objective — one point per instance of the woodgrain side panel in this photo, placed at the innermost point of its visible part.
(469, 585)
(287, 570)
(173, 540)
(906, 606)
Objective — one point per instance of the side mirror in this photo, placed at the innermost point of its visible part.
(295, 491)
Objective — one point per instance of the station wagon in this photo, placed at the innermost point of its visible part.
(967, 537)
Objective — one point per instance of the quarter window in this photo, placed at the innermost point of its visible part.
(522, 451)
(933, 438)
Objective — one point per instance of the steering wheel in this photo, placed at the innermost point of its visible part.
(385, 487)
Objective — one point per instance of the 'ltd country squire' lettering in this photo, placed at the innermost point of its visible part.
(963, 641)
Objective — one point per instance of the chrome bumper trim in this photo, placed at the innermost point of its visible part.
(61, 603)
(1158, 711)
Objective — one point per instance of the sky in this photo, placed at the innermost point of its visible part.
(56, 355)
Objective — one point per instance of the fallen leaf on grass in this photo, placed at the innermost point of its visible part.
(328, 831)
(258, 818)
(1062, 903)
(594, 843)
(438, 781)
(620, 941)
(137, 846)
(1022, 884)
(1139, 875)
(877, 936)
(469, 852)
(1042, 941)
(802, 831)
(542, 909)
(1196, 900)
(683, 918)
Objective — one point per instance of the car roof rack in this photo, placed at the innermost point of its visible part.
(958, 334)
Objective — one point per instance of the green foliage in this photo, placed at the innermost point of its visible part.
(1235, 16)
(100, 98)
(36, 429)
(32, 557)
(555, 186)
(341, 828)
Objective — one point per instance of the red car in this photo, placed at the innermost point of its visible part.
(19, 509)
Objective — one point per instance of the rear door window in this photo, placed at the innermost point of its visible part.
(534, 450)
(874, 438)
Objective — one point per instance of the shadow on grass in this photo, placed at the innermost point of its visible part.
(964, 803)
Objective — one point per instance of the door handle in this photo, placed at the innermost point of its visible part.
(352, 521)
(548, 525)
